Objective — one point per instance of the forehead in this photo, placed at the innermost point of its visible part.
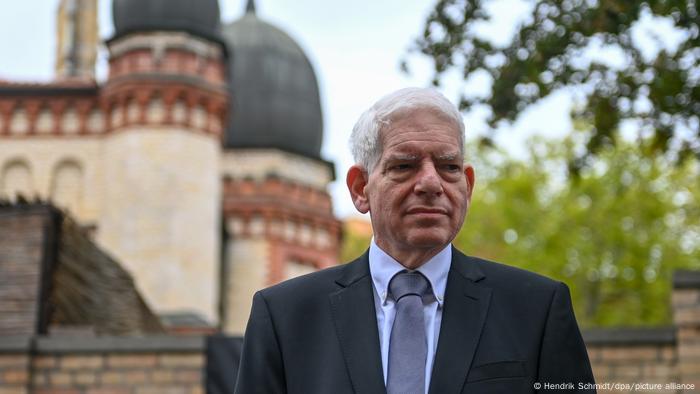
(419, 130)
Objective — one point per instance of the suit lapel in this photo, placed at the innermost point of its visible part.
(356, 325)
(466, 305)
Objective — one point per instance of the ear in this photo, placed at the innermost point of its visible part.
(469, 173)
(356, 180)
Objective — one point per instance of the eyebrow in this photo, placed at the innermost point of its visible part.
(413, 157)
(403, 157)
(448, 157)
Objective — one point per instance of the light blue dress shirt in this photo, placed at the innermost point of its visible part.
(383, 267)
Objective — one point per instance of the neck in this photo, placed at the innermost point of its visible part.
(412, 258)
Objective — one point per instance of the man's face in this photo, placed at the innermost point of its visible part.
(419, 191)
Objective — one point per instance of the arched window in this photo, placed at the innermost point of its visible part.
(16, 179)
(96, 122)
(156, 111)
(67, 185)
(71, 121)
(132, 111)
(117, 116)
(19, 122)
(179, 112)
(44, 122)
(199, 117)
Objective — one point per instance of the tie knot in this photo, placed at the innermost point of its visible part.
(408, 283)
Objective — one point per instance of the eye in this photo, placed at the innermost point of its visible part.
(401, 167)
(452, 167)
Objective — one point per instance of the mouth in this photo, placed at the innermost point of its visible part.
(427, 211)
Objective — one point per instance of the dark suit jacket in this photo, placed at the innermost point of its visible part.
(503, 329)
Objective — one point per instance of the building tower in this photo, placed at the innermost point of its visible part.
(278, 214)
(166, 97)
(196, 164)
(78, 39)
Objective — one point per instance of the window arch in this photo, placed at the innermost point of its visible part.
(19, 121)
(67, 185)
(156, 110)
(16, 179)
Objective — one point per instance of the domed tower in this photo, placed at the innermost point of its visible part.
(165, 101)
(277, 212)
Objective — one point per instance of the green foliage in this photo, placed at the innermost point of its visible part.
(354, 243)
(615, 234)
(547, 53)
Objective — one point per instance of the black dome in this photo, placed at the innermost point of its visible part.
(198, 17)
(274, 94)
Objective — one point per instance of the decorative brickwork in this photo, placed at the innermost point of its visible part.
(56, 111)
(296, 219)
(277, 227)
(166, 79)
(168, 53)
(164, 104)
(62, 109)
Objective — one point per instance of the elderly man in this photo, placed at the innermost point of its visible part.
(413, 314)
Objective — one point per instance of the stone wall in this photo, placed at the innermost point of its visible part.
(658, 360)
(161, 214)
(105, 365)
(686, 316)
(634, 355)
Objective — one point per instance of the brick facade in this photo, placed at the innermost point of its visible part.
(279, 223)
(686, 316)
(637, 355)
(668, 357)
(105, 365)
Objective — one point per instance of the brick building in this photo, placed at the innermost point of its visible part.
(196, 164)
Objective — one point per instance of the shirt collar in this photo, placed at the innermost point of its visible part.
(383, 267)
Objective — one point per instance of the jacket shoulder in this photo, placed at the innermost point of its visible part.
(318, 283)
(498, 274)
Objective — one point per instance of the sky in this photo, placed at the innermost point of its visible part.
(355, 49)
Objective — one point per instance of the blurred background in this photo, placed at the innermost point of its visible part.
(160, 161)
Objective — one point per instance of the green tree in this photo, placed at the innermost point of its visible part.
(547, 53)
(614, 234)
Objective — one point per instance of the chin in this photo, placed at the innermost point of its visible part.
(429, 241)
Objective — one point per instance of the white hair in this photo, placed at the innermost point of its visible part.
(365, 140)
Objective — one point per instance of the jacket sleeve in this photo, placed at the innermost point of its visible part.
(261, 369)
(563, 357)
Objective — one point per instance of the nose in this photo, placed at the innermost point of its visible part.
(428, 180)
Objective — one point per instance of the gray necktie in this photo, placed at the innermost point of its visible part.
(408, 348)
